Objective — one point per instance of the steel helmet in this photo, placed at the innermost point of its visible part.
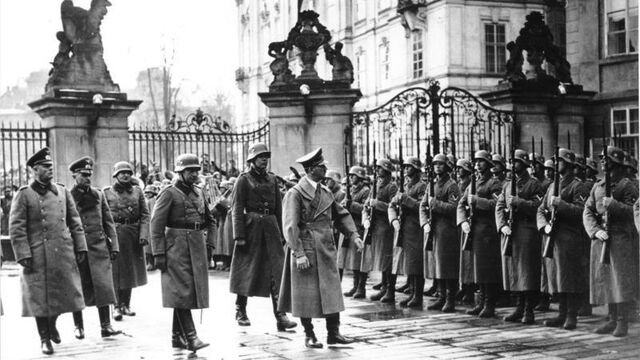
(465, 164)
(522, 156)
(580, 161)
(483, 155)
(120, 167)
(498, 159)
(385, 164)
(358, 171)
(615, 154)
(567, 155)
(549, 164)
(441, 158)
(151, 188)
(592, 165)
(413, 161)
(257, 149)
(187, 161)
(333, 175)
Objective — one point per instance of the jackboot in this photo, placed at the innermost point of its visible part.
(390, 294)
(125, 307)
(79, 323)
(178, 339)
(333, 331)
(612, 322)
(461, 292)
(469, 292)
(433, 290)
(451, 286)
(310, 339)
(356, 281)
(442, 296)
(585, 306)
(417, 300)
(573, 304)
(517, 314)
(54, 335)
(531, 299)
(562, 312)
(149, 260)
(282, 321)
(490, 298)
(543, 305)
(105, 323)
(404, 287)
(480, 305)
(382, 283)
(622, 326)
(361, 291)
(186, 321)
(117, 312)
(42, 323)
(410, 281)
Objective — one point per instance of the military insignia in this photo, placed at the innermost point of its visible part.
(582, 198)
(538, 197)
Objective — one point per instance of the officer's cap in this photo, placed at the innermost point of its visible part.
(83, 165)
(42, 157)
(312, 159)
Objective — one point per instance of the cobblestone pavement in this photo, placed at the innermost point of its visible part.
(383, 332)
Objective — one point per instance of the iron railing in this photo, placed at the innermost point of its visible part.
(18, 144)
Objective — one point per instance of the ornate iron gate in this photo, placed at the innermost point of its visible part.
(414, 115)
(19, 143)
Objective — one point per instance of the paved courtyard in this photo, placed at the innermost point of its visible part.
(383, 332)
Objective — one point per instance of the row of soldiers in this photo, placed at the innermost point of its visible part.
(474, 230)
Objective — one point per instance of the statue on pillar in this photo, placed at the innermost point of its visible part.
(308, 35)
(342, 67)
(280, 65)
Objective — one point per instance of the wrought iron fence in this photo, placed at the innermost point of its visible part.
(19, 143)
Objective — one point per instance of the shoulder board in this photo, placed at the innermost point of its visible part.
(23, 187)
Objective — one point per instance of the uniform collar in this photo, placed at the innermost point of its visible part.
(42, 188)
(121, 187)
(182, 186)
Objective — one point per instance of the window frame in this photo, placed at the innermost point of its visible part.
(627, 121)
(498, 68)
(385, 59)
(417, 72)
(626, 30)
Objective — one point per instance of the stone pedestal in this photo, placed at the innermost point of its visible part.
(299, 124)
(538, 111)
(81, 126)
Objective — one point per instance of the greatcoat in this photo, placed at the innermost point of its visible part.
(485, 242)
(100, 233)
(349, 257)
(309, 217)
(446, 244)
(185, 284)
(570, 266)
(256, 213)
(44, 225)
(521, 271)
(412, 235)
(338, 195)
(150, 204)
(131, 215)
(618, 281)
(222, 212)
(466, 257)
(381, 230)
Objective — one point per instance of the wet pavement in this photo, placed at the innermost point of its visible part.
(382, 331)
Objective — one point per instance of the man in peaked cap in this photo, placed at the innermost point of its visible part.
(309, 210)
(258, 256)
(102, 245)
(48, 240)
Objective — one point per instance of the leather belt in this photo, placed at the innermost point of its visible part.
(263, 211)
(126, 221)
(188, 226)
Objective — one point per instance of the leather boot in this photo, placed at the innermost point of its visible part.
(433, 290)
(622, 326)
(585, 306)
(612, 322)
(530, 303)
(461, 292)
(573, 304)
(356, 278)
(469, 293)
(382, 283)
(417, 300)
(42, 324)
(450, 303)
(410, 281)
(361, 291)
(517, 314)
(490, 298)
(177, 334)
(480, 305)
(105, 323)
(125, 308)
(150, 264)
(562, 312)
(333, 331)
(282, 321)
(186, 320)
(543, 305)
(79, 323)
(377, 296)
(442, 296)
(310, 339)
(404, 287)
(117, 312)
(390, 294)
(54, 335)
(241, 311)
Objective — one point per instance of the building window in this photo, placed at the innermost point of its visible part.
(624, 122)
(360, 68)
(495, 50)
(361, 10)
(622, 26)
(384, 59)
(417, 55)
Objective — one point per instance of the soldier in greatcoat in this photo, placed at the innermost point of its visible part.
(440, 208)
(521, 270)
(499, 169)
(102, 245)
(464, 169)
(150, 193)
(349, 256)
(610, 219)
(412, 235)
(547, 269)
(131, 215)
(224, 238)
(310, 279)
(332, 182)
(48, 241)
(258, 254)
(182, 228)
(382, 232)
(569, 262)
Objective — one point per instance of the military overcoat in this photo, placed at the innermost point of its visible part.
(381, 230)
(224, 237)
(466, 257)
(412, 234)
(150, 205)
(349, 258)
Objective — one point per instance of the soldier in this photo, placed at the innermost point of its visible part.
(590, 173)
(102, 245)
(521, 270)
(481, 227)
(549, 170)
(181, 230)
(258, 256)
(5, 206)
(608, 219)
(310, 279)
(570, 276)
(382, 232)
(412, 236)
(538, 169)
(464, 168)
(547, 270)
(580, 167)
(131, 215)
(150, 193)
(438, 219)
(48, 242)
(499, 169)
(349, 257)
(224, 237)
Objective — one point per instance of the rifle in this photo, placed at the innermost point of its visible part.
(605, 257)
(467, 243)
(428, 242)
(345, 242)
(508, 246)
(548, 245)
(369, 213)
(397, 236)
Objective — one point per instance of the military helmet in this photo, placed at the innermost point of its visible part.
(451, 161)
(580, 161)
(187, 161)
(413, 161)
(615, 154)
(592, 165)
(358, 171)
(385, 164)
(567, 155)
(121, 166)
(630, 162)
(522, 156)
(465, 164)
(257, 149)
(333, 175)
(499, 159)
(483, 155)
(538, 158)
(441, 158)
(151, 188)
(549, 164)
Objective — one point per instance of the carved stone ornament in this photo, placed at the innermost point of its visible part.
(342, 70)
(308, 35)
(280, 65)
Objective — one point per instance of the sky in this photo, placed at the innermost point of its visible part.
(134, 32)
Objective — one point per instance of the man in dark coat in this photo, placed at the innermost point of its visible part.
(5, 205)
(150, 193)
(182, 228)
(131, 215)
(570, 265)
(521, 269)
(464, 169)
(310, 278)
(258, 254)
(438, 219)
(611, 219)
(102, 246)
(48, 241)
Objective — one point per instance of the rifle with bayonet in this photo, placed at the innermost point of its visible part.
(605, 257)
(428, 242)
(368, 216)
(467, 241)
(345, 241)
(507, 249)
(397, 236)
(548, 238)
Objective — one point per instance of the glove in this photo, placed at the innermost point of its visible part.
(81, 256)
(161, 262)
(366, 223)
(26, 263)
(602, 235)
(427, 229)
(359, 244)
(506, 230)
(466, 228)
(606, 202)
(547, 229)
(113, 255)
(396, 224)
(143, 242)
(302, 263)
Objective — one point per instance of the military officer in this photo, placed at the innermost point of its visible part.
(521, 270)
(310, 278)
(438, 219)
(258, 255)
(131, 215)
(48, 241)
(465, 170)
(181, 230)
(610, 219)
(102, 245)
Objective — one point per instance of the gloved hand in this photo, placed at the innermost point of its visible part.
(427, 229)
(547, 229)
(396, 224)
(81, 256)
(143, 242)
(373, 203)
(366, 223)
(506, 230)
(602, 235)
(113, 255)
(606, 202)
(302, 263)
(466, 228)
(26, 263)
(359, 244)
(161, 262)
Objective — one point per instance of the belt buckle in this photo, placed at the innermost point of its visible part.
(196, 225)
(265, 211)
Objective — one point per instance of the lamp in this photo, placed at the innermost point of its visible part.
(305, 90)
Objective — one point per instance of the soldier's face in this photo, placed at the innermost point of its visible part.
(548, 173)
(409, 170)
(43, 172)
(82, 179)
(354, 179)
(519, 167)
(261, 162)
(482, 165)
(124, 176)
(190, 176)
(330, 183)
(439, 168)
(562, 166)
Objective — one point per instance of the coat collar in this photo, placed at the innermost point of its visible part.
(42, 189)
(185, 188)
(122, 187)
(322, 203)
